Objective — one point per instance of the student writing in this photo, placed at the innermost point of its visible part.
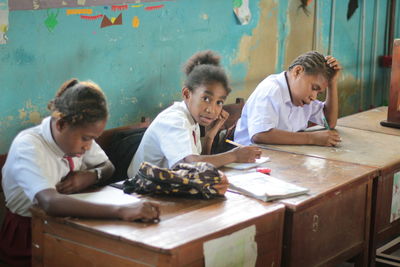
(174, 135)
(56, 158)
(282, 104)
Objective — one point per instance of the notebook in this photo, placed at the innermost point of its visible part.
(244, 166)
(264, 187)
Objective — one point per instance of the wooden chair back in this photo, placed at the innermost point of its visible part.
(235, 111)
(120, 145)
(105, 139)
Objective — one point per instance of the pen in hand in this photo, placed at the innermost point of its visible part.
(233, 143)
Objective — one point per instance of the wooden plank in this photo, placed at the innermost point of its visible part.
(62, 252)
(357, 146)
(369, 121)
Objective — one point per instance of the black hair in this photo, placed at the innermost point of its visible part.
(204, 68)
(79, 103)
(314, 63)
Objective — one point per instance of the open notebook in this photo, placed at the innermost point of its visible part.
(244, 166)
(264, 187)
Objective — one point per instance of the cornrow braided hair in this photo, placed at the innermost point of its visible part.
(204, 68)
(314, 63)
(79, 103)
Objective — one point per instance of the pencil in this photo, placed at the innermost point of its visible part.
(326, 124)
(233, 143)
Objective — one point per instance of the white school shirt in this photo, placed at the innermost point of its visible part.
(270, 106)
(171, 137)
(35, 163)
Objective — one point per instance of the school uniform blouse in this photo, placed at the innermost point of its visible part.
(270, 106)
(171, 137)
(35, 163)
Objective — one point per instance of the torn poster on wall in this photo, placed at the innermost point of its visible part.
(44, 4)
(242, 11)
(3, 21)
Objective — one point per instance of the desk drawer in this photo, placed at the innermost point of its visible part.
(333, 227)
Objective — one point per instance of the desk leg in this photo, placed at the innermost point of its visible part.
(363, 259)
(37, 241)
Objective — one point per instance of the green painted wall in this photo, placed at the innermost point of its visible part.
(140, 68)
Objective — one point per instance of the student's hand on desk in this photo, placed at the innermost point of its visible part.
(76, 182)
(325, 138)
(223, 186)
(247, 154)
(143, 211)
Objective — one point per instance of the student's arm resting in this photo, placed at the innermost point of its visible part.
(276, 136)
(56, 204)
(212, 131)
(240, 154)
(331, 108)
(79, 180)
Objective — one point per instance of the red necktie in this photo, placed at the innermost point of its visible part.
(194, 136)
(71, 163)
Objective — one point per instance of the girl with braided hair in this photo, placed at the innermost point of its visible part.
(56, 158)
(281, 106)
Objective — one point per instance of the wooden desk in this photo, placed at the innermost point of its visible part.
(331, 224)
(371, 149)
(369, 120)
(176, 241)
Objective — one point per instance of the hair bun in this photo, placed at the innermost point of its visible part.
(68, 84)
(206, 57)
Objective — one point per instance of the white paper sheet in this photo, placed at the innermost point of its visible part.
(107, 195)
(244, 166)
(237, 249)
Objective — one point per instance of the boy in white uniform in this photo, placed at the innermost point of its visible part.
(282, 105)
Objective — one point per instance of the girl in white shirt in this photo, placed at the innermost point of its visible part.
(56, 158)
(174, 135)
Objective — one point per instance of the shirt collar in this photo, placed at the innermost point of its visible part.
(285, 89)
(183, 106)
(47, 135)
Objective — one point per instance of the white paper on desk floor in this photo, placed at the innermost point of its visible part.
(107, 196)
(244, 166)
(236, 249)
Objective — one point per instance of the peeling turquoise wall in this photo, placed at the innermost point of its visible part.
(140, 68)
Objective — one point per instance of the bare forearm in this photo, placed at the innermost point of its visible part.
(56, 204)
(217, 160)
(275, 136)
(331, 109)
(207, 145)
